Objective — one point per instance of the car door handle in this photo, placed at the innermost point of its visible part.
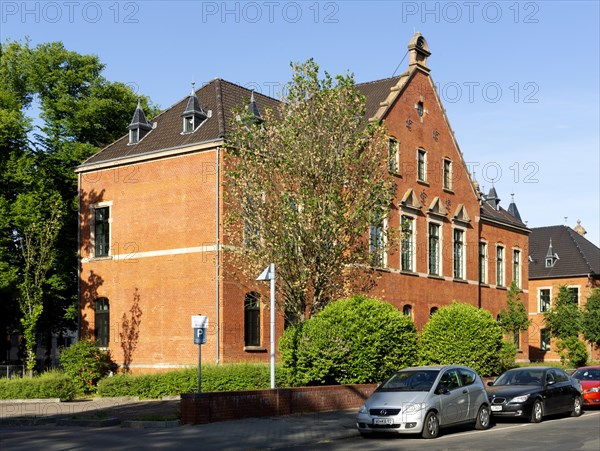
(465, 391)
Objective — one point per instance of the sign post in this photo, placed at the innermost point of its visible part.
(269, 274)
(199, 324)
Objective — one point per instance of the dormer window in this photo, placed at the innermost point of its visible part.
(139, 126)
(549, 262)
(194, 115)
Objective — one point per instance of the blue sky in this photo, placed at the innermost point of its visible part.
(519, 80)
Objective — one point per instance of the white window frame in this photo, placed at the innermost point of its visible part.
(501, 271)
(518, 279)
(578, 287)
(413, 241)
(482, 265)
(539, 298)
(93, 208)
(447, 186)
(548, 346)
(372, 248)
(439, 248)
(421, 151)
(463, 256)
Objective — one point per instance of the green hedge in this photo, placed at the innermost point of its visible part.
(352, 341)
(461, 334)
(52, 384)
(227, 377)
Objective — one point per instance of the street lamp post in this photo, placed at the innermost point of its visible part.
(269, 274)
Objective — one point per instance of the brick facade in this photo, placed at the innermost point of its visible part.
(165, 200)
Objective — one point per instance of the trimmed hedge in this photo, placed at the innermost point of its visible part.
(86, 364)
(461, 334)
(52, 384)
(227, 377)
(356, 340)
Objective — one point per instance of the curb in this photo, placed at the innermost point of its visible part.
(88, 422)
(164, 424)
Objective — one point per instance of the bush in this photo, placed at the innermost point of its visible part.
(461, 334)
(508, 353)
(354, 340)
(86, 364)
(572, 350)
(52, 384)
(228, 377)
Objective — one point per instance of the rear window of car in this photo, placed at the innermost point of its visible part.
(467, 377)
(591, 374)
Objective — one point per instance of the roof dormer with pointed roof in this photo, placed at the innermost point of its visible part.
(139, 126)
(193, 115)
(512, 208)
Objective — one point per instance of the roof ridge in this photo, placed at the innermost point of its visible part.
(247, 89)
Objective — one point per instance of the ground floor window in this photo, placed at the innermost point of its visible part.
(102, 322)
(252, 319)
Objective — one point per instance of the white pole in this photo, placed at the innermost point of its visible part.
(272, 271)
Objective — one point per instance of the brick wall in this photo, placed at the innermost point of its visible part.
(198, 408)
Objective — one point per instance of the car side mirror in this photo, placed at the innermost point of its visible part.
(490, 383)
(550, 382)
(441, 390)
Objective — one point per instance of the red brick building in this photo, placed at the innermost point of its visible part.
(559, 255)
(151, 234)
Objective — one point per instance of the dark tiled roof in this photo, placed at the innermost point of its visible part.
(576, 255)
(501, 215)
(219, 96)
(376, 92)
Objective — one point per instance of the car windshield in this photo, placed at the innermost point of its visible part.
(410, 380)
(521, 377)
(587, 374)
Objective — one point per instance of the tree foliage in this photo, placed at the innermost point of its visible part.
(590, 319)
(353, 340)
(304, 187)
(462, 334)
(564, 318)
(514, 318)
(79, 112)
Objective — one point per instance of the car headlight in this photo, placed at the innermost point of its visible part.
(363, 409)
(519, 399)
(592, 390)
(414, 407)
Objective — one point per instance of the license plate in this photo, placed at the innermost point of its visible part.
(383, 421)
(496, 408)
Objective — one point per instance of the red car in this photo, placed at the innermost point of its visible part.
(589, 377)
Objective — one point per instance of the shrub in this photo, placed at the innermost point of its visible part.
(508, 353)
(228, 377)
(572, 350)
(52, 384)
(354, 340)
(462, 334)
(86, 364)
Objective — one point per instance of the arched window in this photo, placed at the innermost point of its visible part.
(252, 319)
(433, 310)
(102, 322)
(407, 310)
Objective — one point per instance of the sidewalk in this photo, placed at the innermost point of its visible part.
(252, 433)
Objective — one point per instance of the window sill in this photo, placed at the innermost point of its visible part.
(99, 259)
(422, 182)
(254, 349)
(484, 285)
(448, 190)
(435, 276)
(460, 280)
(408, 273)
(501, 288)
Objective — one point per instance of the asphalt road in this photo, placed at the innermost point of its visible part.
(552, 434)
(326, 431)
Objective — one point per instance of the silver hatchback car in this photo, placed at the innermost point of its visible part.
(425, 399)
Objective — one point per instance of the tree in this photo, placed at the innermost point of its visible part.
(564, 318)
(80, 112)
(462, 334)
(514, 318)
(354, 340)
(590, 318)
(304, 187)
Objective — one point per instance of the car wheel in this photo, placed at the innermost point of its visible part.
(537, 412)
(431, 428)
(577, 408)
(483, 418)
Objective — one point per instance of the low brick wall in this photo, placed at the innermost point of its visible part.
(198, 408)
